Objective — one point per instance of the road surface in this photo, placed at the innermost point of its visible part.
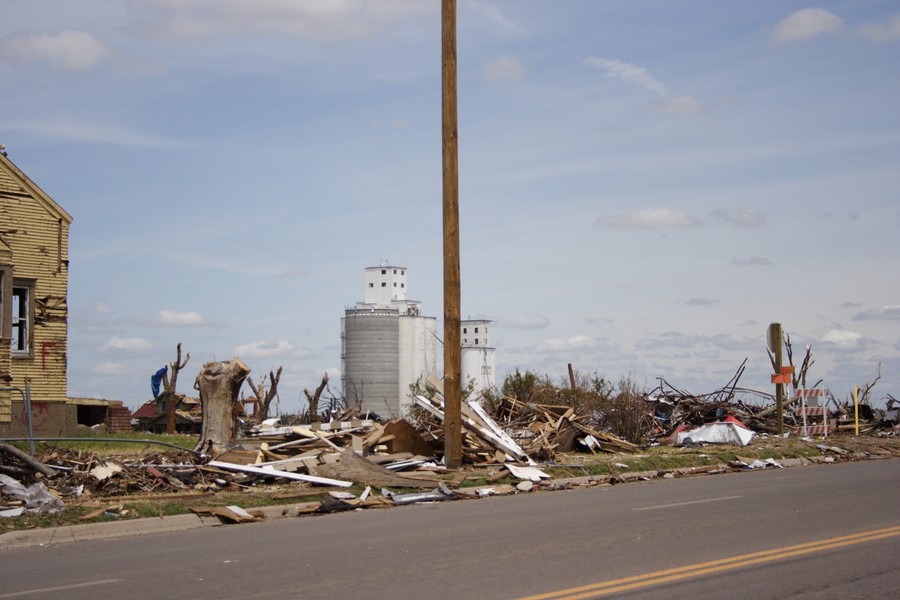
(829, 531)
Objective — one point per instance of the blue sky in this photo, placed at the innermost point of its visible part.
(644, 185)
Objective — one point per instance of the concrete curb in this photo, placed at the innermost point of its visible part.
(98, 531)
(115, 529)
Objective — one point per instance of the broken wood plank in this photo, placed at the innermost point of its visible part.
(268, 471)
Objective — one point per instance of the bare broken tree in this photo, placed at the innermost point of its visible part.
(219, 384)
(313, 399)
(264, 397)
(169, 386)
(799, 376)
(867, 389)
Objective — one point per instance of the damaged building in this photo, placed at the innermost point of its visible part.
(34, 288)
(34, 278)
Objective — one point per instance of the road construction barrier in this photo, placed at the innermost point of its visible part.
(807, 412)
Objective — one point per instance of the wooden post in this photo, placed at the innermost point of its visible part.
(572, 377)
(776, 342)
(452, 344)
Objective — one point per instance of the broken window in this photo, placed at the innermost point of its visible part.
(21, 318)
(383, 284)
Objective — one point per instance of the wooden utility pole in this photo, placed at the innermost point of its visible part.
(452, 345)
(776, 342)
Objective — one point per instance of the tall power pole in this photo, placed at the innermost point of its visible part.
(452, 346)
(775, 342)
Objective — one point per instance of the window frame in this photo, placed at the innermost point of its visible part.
(23, 320)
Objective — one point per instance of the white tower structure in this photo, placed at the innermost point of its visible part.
(386, 345)
(478, 359)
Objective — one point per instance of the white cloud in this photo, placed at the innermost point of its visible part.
(736, 341)
(572, 344)
(805, 24)
(69, 50)
(674, 339)
(888, 312)
(128, 344)
(753, 261)
(677, 339)
(648, 218)
(878, 32)
(109, 368)
(265, 349)
(503, 68)
(177, 319)
(313, 19)
(749, 217)
(684, 105)
(628, 73)
(744, 217)
(102, 309)
(295, 272)
(91, 133)
(496, 17)
(844, 339)
(522, 321)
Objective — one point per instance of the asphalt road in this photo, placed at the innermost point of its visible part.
(814, 532)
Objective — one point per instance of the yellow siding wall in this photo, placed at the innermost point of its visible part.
(31, 229)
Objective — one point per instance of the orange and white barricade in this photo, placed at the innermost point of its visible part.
(817, 411)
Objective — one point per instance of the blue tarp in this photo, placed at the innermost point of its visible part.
(156, 380)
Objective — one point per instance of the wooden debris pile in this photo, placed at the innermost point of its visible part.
(544, 429)
(675, 409)
(518, 431)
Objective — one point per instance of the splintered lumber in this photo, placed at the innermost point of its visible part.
(470, 426)
(529, 473)
(360, 470)
(233, 514)
(608, 442)
(405, 438)
(493, 426)
(342, 425)
(270, 472)
(31, 462)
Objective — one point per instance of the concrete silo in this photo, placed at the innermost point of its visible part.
(478, 358)
(386, 344)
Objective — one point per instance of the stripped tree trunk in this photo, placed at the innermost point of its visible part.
(264, 397)
(169, 385)
(313, 399)
(219, 384)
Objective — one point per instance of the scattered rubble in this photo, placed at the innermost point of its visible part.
(357, 462)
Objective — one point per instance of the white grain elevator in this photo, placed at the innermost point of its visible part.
(478, 358)
(386, 344)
